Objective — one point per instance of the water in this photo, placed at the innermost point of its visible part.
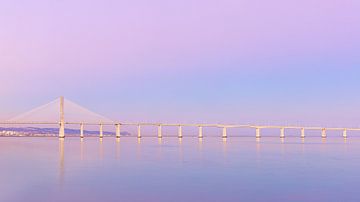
(238, 169)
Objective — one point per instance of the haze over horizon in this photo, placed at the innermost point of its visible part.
(206, 61)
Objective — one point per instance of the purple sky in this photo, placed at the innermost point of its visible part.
(276, 61)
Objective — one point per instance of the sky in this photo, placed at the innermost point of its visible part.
(228, 61)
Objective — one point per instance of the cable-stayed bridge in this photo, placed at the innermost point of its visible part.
(54, 113)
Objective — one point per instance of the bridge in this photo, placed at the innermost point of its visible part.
(102, 121)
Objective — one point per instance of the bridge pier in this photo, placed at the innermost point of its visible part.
(345, 133)
(258, 135)
(62, 119)
(200, 132)
(117, 126)
(180, 131)
(139, 131)
(160, 131)
(302, 133)
(282, 132)
(323, 133)
(62, 130)
(224, 132)
(81, 130)
(101, 131)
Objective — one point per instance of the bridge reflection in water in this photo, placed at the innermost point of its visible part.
(71, 168)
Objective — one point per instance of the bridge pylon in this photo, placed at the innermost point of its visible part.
(62, 119)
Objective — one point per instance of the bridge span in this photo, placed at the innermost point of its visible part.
(180, 126)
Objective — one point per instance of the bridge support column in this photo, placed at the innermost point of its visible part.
(62, 119)
(101, 132)
(117, 126)
(62, 130)
(282, 132)
(81, 130)
(180, 131)
(302, 133)
(345, 133)
(323, 133)
(258, 135)
(200, 132)
(139, 131)
(160, 131)
(224, 132)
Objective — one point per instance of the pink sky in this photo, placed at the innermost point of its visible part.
(231, 60)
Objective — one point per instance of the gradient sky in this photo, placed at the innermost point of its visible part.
(236, 61)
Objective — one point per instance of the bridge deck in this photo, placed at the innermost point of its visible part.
(189, 125)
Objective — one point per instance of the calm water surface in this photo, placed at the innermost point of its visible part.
(238, 169)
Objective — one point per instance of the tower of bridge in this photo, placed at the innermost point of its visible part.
(62, 118)
(54, 113)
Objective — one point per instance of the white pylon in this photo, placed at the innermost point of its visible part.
(200, 132)
(323, 133)
(62, 119)
(345, 133)
(117, 130)
(139, 131)
(302, 132)
(101, 131)
(81, 130)
(224, 132)
(180, 131)
(258, 135)
(282, 132)
(159, 131)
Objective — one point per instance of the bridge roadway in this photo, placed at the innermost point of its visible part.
(200, 126)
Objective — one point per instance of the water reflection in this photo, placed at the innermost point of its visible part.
(185, 164)
(200, 143)
(159, 149)
(257, 145)
(200, 148)
(346, 144)
(224, 145)
(181, 151)
(258, 152)
(117, 148)
(138, 148)
(282, 140)
(323, 140)
(81, 149)
(61, 161)
(323, 145)
(101, 148)
(302, 145)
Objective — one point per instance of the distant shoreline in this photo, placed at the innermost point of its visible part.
(51, 132)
